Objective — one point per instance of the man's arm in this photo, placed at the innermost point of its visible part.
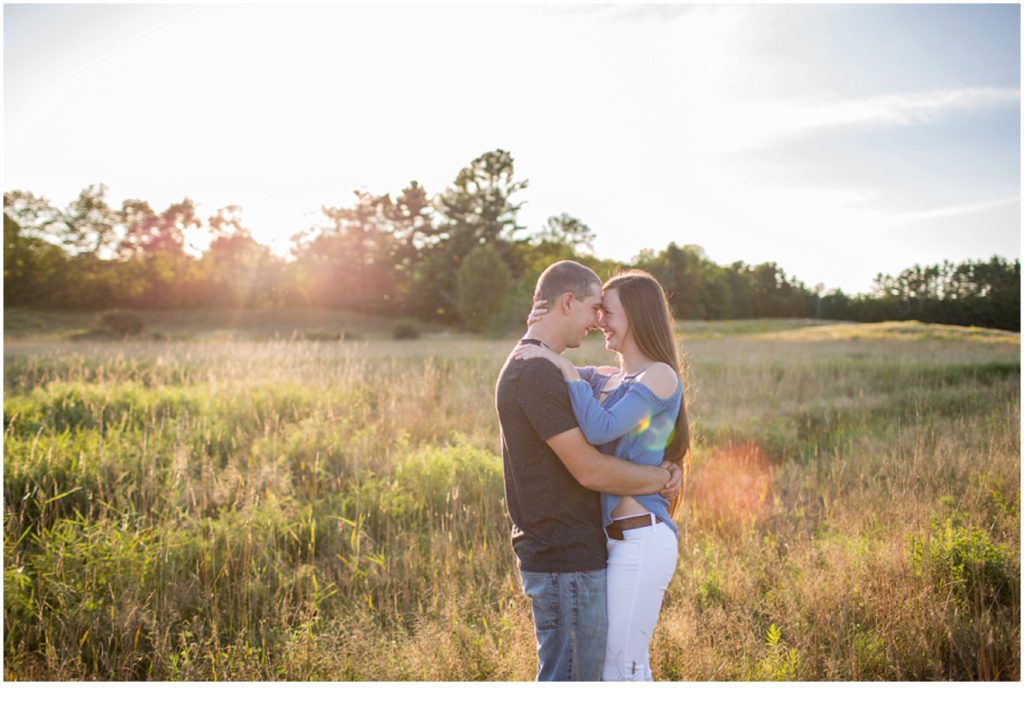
(545, 402)
(604, 473)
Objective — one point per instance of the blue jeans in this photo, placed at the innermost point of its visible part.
(570, 616)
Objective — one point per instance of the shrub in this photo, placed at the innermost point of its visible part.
(405, 331)
(964, 560)
(780, 662)
(124, 323)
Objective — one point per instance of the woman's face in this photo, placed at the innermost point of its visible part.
(614, 323)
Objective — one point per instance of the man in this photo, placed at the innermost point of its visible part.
(552, 482)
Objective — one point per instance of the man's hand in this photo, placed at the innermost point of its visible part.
(675, 481)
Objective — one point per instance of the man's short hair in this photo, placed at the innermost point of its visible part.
(565, 276)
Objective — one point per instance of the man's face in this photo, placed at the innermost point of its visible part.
(583, 318)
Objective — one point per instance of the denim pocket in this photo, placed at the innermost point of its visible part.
(542, 588)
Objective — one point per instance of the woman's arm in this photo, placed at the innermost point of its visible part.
(601, 425)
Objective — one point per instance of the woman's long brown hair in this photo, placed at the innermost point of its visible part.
(650, 320)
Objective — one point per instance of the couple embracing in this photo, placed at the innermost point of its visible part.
(592, 473)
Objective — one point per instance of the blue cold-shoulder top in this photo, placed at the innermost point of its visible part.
(633, 424)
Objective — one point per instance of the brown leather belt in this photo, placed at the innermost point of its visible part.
(619, 525)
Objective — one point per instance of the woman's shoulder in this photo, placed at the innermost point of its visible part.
(661, 379)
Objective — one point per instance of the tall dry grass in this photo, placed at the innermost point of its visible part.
(297, 510)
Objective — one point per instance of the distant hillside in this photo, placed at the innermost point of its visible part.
(255, 324)
(327, 325)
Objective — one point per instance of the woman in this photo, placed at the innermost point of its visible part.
(637, 412)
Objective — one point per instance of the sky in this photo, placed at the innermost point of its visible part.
(839, 141)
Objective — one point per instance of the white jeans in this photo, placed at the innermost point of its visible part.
(639, 570)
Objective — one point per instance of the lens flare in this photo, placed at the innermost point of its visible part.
(732, 487)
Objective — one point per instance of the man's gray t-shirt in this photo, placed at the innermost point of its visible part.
(556, 522)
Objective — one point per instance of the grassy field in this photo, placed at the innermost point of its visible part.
(218, 502)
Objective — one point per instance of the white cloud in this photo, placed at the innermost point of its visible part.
(954, 211)
(755, 124)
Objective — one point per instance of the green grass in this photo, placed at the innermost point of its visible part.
(746, 327)
(293, 509)
(895, 330)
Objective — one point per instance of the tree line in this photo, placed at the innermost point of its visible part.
(458, 256)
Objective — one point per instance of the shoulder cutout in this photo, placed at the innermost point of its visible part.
(661, 379)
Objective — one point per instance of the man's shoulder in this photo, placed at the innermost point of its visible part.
(534, 385)
(533, 370)
(538, 372)
(539, 367)
(533, 401)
